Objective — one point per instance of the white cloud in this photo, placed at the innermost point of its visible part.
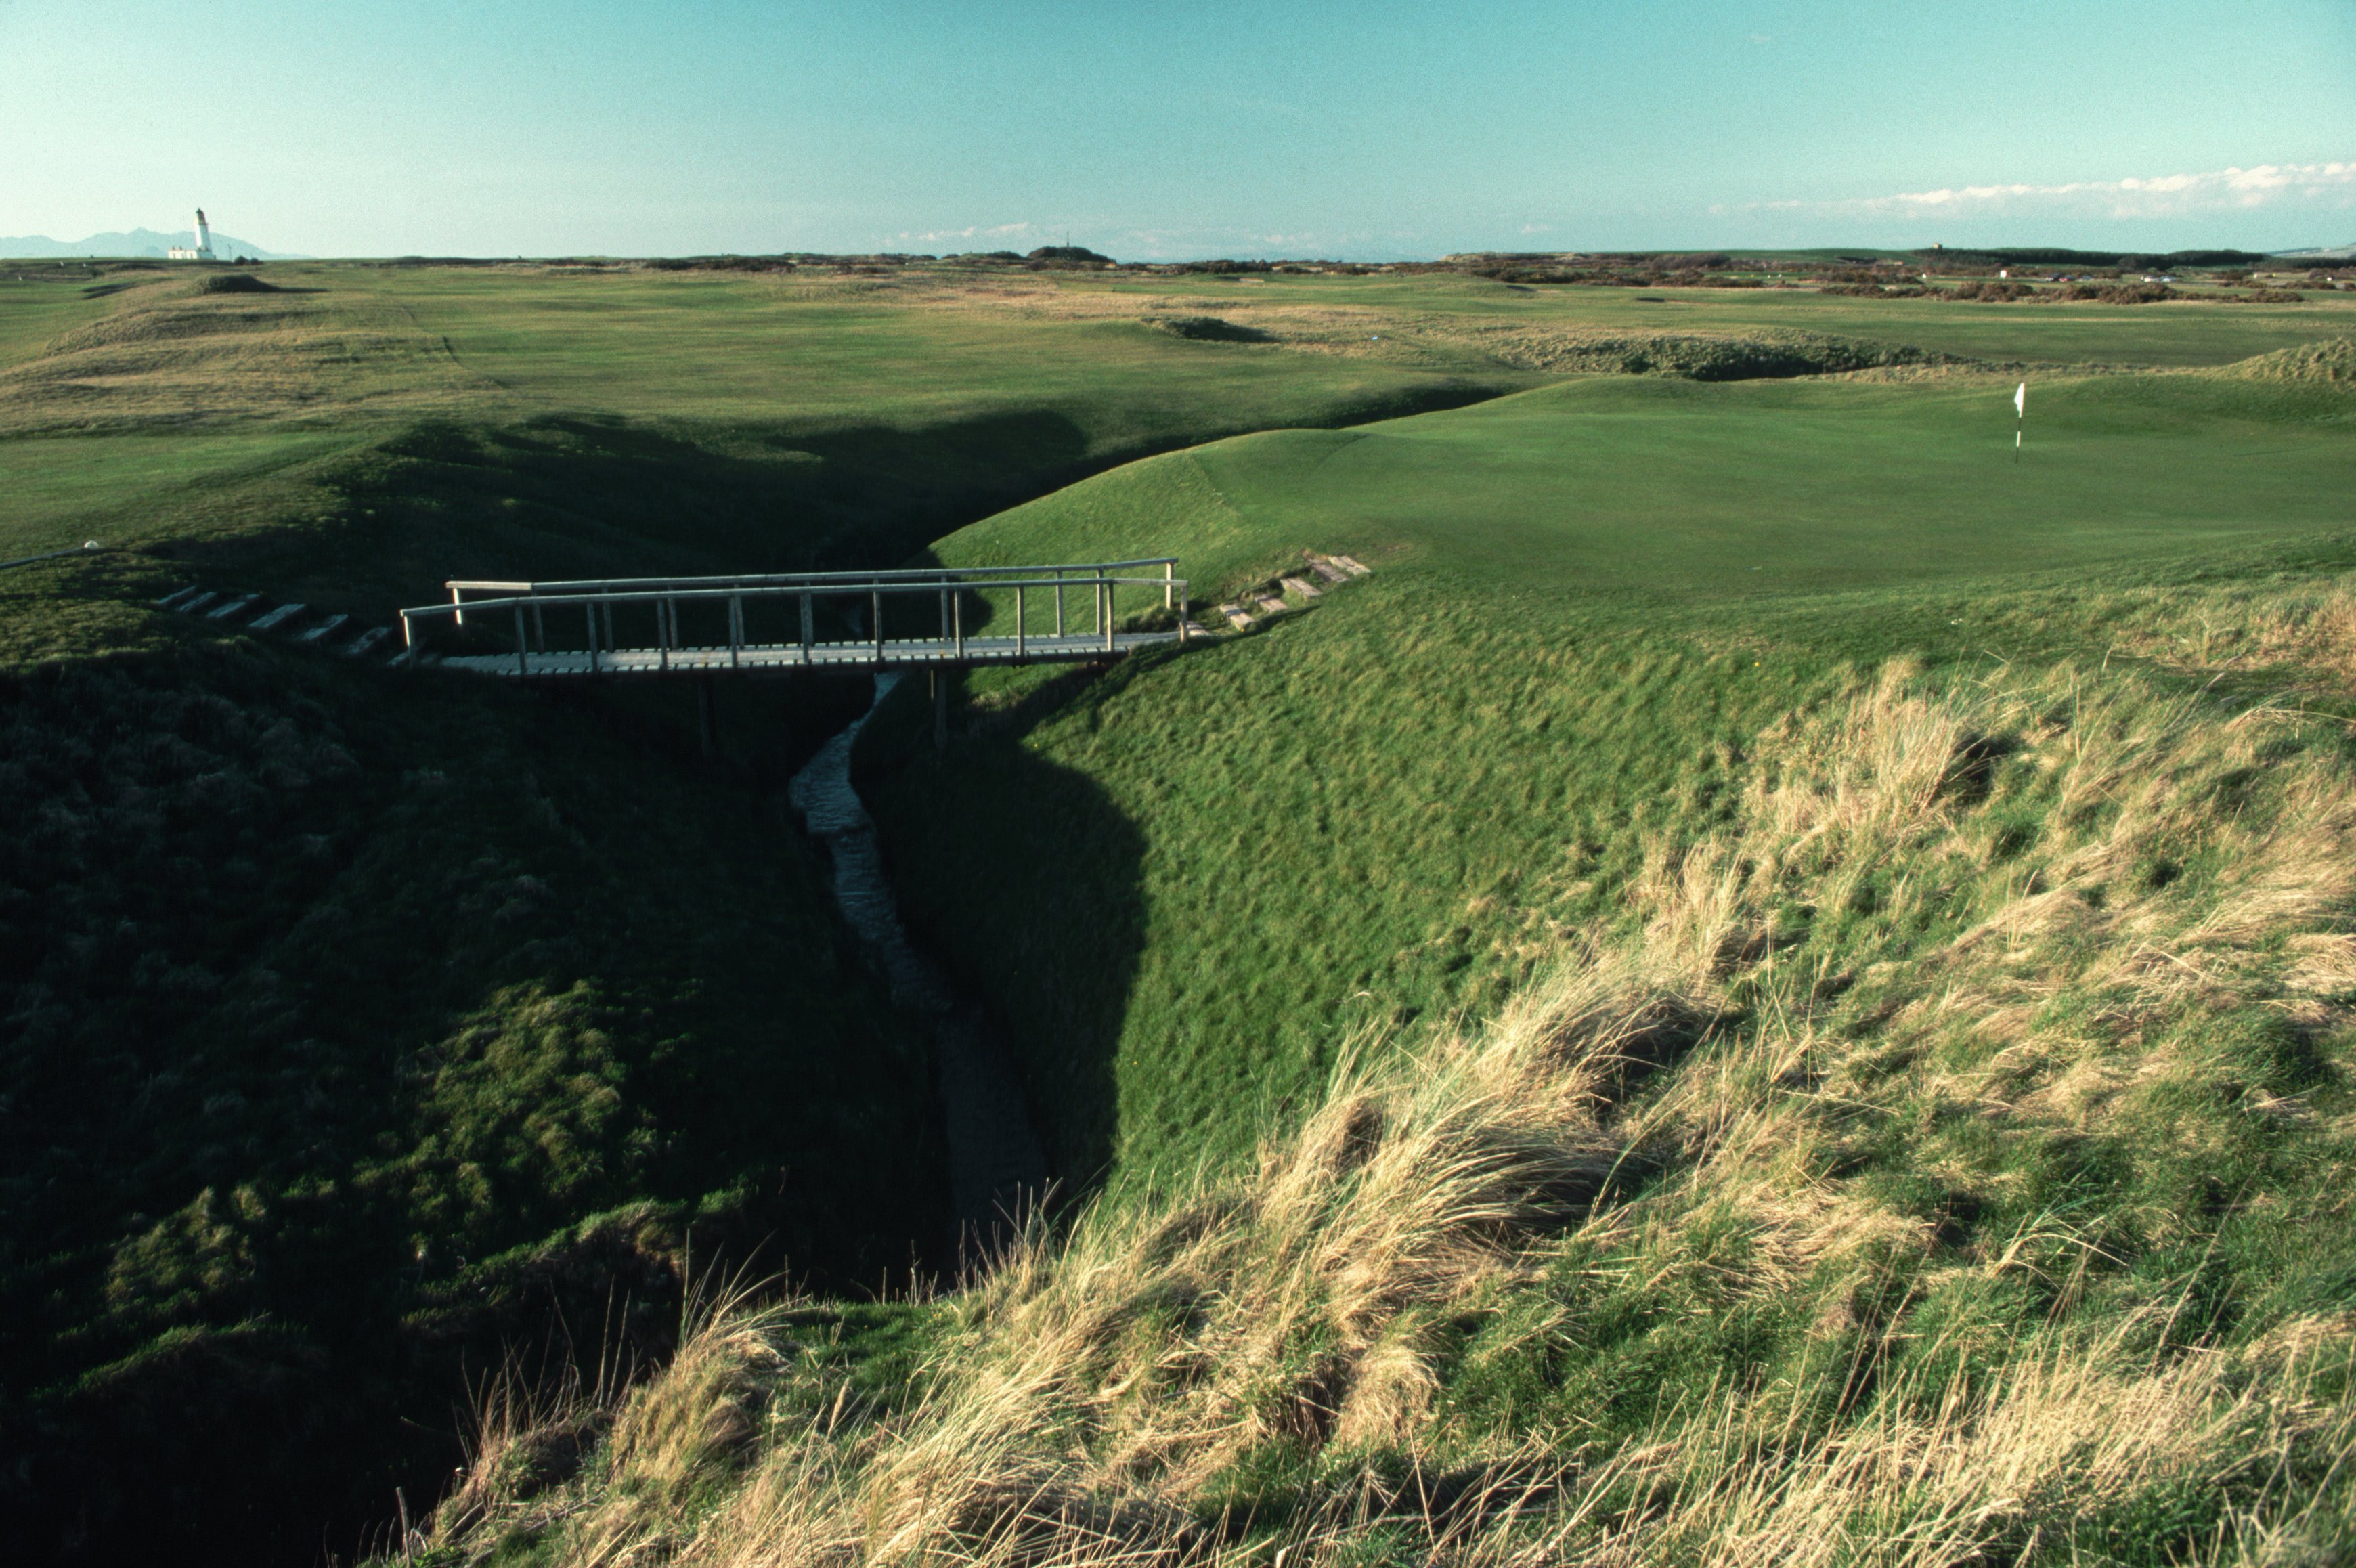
(2162, 196)
(976, 232)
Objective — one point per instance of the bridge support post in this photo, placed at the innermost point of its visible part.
(707, 722)
(940, 707)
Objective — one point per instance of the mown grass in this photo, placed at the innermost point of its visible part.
(767, 420)
(361, 433)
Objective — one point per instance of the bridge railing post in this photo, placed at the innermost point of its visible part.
(735, 632)
(1021, 648)
(590, 612)
(1059, 601)
(957, 620)
(875, 609)
(1169, 582)
(523, 662)
(809, 629)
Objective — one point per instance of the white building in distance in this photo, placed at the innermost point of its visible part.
(204, 251)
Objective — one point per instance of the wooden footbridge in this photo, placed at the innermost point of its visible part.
(706, 627)
(912, 619)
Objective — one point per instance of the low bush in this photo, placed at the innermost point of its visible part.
(1207, 329)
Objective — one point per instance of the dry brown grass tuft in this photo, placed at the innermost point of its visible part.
(1989, 947)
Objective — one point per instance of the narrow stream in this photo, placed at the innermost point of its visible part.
(997, 1170)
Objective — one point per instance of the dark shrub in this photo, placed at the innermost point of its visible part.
(1208, 329)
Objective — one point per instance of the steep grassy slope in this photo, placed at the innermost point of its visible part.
(1938, 1157)
(1609, 1056)
(1587, 601)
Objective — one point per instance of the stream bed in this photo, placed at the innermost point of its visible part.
(997, 1169)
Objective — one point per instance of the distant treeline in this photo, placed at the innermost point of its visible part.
(2131, 260)
(1638, 269)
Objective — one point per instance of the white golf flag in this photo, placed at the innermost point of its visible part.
(2020, 401)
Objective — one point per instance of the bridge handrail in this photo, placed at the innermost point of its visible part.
(928, 575)
(666, 594)
(646, 596)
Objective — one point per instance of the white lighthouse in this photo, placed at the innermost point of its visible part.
(204, 251)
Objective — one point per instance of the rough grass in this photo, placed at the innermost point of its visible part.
(349, 1029)
(1998, 1215)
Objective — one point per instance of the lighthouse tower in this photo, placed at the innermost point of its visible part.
(204, 250)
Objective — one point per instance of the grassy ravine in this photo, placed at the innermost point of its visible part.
(361, 1033)
(1941, 1156)
(357, 1033)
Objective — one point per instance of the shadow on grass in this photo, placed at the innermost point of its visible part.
(988, 826)
(452, 1019)
(569, 496)
(589, 496)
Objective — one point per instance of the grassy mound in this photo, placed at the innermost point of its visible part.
(1759, 356)
(1939, 1160)
(232, 283)
(2333, 362)
(1207, 329)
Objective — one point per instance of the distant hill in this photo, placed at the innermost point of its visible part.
(136, 242)
(2321, 254)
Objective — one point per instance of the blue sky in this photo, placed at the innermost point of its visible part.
(1179, 128)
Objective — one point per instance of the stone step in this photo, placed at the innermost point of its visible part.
(1300, 585)
(1327, 570)
(322, 629)
(235, 607)
(174, 600)
(191, 606)
(276, 617)
(1351, 564)
(366, 642)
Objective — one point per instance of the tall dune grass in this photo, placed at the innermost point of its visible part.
(1392, 1338)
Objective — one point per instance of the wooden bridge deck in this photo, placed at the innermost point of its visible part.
(892, 653)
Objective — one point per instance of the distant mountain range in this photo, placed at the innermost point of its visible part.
(136, 242)
(2321, 254)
